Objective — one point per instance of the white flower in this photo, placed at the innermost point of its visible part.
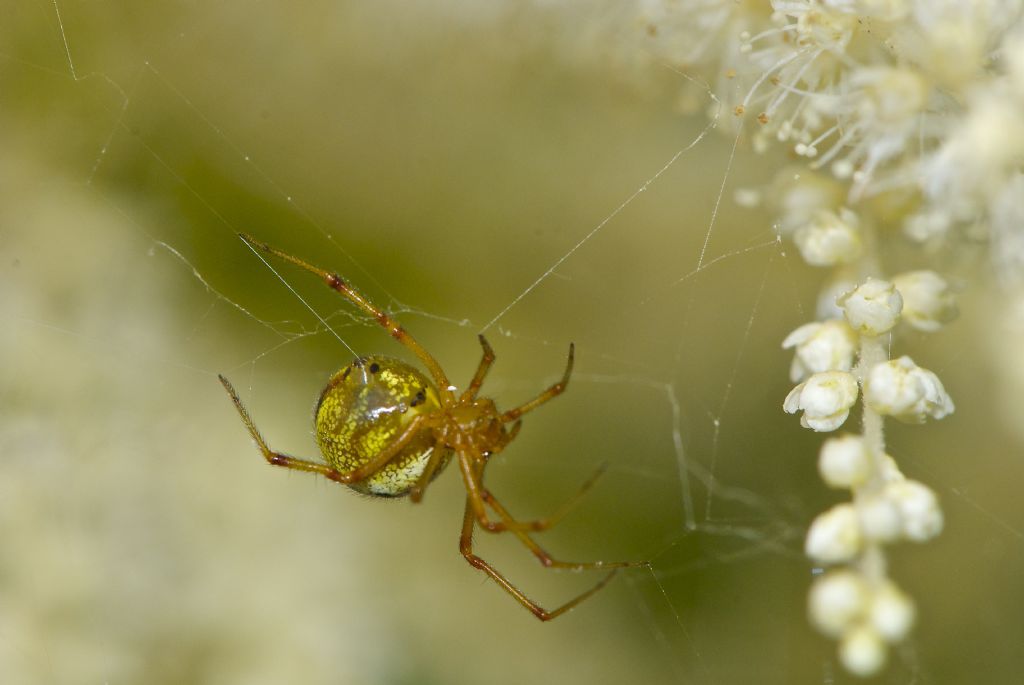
(825, 399)
(888, 10)
(928, 301)
(891, 612)
(879, 109)
(873, 307)
(930, 225)
(697, 31)
(1013, 55)
(902, 389)
(834, 536)
(979, 155)
(840, 284)
(880, 518)
(830, 238)
(800, 195)
(919, 509)
(1006, 232)
(843, 462)
(836, 600)
(821, 346)
(889, 470)
(950, 43)
(862, 651)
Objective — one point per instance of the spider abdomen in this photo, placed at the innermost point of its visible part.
(363, 409)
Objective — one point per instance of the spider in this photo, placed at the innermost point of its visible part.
(385, 429)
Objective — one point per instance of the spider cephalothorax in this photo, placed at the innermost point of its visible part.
(386, 429)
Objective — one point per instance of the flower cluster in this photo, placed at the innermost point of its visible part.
(838, 361)
(902, 119)
(916, 98)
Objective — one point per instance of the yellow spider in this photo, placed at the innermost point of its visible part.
(385, 429)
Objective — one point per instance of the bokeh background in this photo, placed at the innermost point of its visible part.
(444, 157)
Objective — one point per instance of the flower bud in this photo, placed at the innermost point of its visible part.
(928, 301)
(829, 238)
(839, 285)
(862, 651)
(825, 399)
(880, 519)
(873, 307)
(821, 346)
(919, 509)
(891, 612)
(834, 536)
(902, 389)
(843, 462)
(836, 600)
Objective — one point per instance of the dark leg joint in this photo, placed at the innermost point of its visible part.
(492, 526)
(475, 561)
(488, 352)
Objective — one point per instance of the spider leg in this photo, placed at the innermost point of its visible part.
(466, 547)
(416, 494)
(473, 476)
(335, 282)
(472, 464)
(345, 477)
(514, 431)
(472, 472)
(554, 391)
(481, 371)
(546, 559)
(549, 521)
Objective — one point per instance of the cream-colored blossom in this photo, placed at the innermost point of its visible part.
(830, 238)
(902, 389)
(873, 307)
(880, 518)
(921, 515)
(825, 399)
(837, 599)
(862, 651)
(891, 612)
(928, 300)
(978, 156)
(821, 346)
(834, 536)
(844, 462)
(800, 194)
(842, 282)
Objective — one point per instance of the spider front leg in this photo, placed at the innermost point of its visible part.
(481, 371)
(554, 391)
(344, 477)
(345, 289)
(466, 547)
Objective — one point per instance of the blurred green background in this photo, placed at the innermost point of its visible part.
(443, 157)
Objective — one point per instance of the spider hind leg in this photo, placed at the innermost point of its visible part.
(466, 547)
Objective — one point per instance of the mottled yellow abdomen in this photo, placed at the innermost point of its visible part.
(363, 409)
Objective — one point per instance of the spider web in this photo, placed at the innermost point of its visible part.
(471, 170)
